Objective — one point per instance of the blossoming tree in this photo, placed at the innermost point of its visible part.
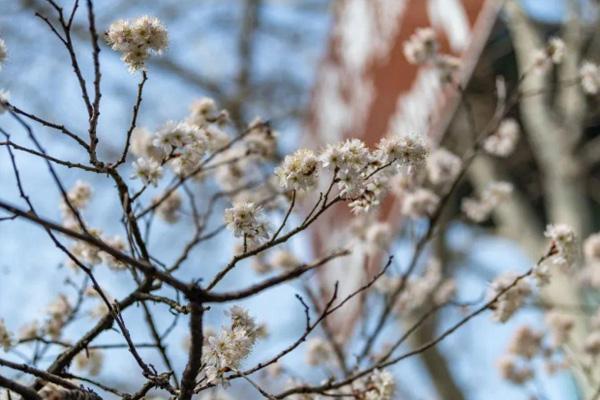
(205, 172)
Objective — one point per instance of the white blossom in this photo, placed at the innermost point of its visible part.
(542, 273)
(526, 342)
(29, 331)
(117, 243)
(381, 386)
(3, 53)
(418, 290)
(261, 140)
(421, 46)
(215, 395)
(226, 350)
(299, 171)
(78, 197)
(386, 284)
(447, 66)
(556, 50)
(590, 77)
(259, 263)
(4, 97)
(591, 344)
(142, 145)
(319, 352)
(445, 292)
(503, 142)
(148, 171)
(443, 166)
(169, 209)
(136, 39)
(245, 220)
(563, 243)
(187, 161)
(552, 53)
(591, 249)
(370, 196)
(407, 151)
(202, 112)
(215, 138)
(174, 135)
(513, 295)
(90, 361)
(149, 32)
(479, 209)
(560, 325)
(58, 312)
(349, 156)
(420, 203)
(589, 275)
(513, 372)
(6, 341)
(379, 236)
(85, 251)
(284, 259)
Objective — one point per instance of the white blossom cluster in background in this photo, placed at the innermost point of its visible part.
(478, 209)
(590, 273)
(4, 95)
(554, 349)
(553, 53)
(3, 52)
(6, 340)
(503, 142)
(590, 77)
(422, 48)
(557, 347)
(419, 291)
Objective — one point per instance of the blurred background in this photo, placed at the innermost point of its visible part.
(319, 71)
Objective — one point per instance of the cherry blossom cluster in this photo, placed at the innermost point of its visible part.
(182, 145)
(590, 77)
(4, 95)
(280, 259)
(379, 386)
(3, 52)
(422, 48)
(511, 294)
(478, 209)
(564, 246)
(245, 221)
(319, 352)
(556, 352)
(77, 200)
(224, 351)
(517, 365)
(511, 291)
(553, 53)
(502, 143)
(361, 175)
(136, 39)
(6, 340)
(590, 273)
